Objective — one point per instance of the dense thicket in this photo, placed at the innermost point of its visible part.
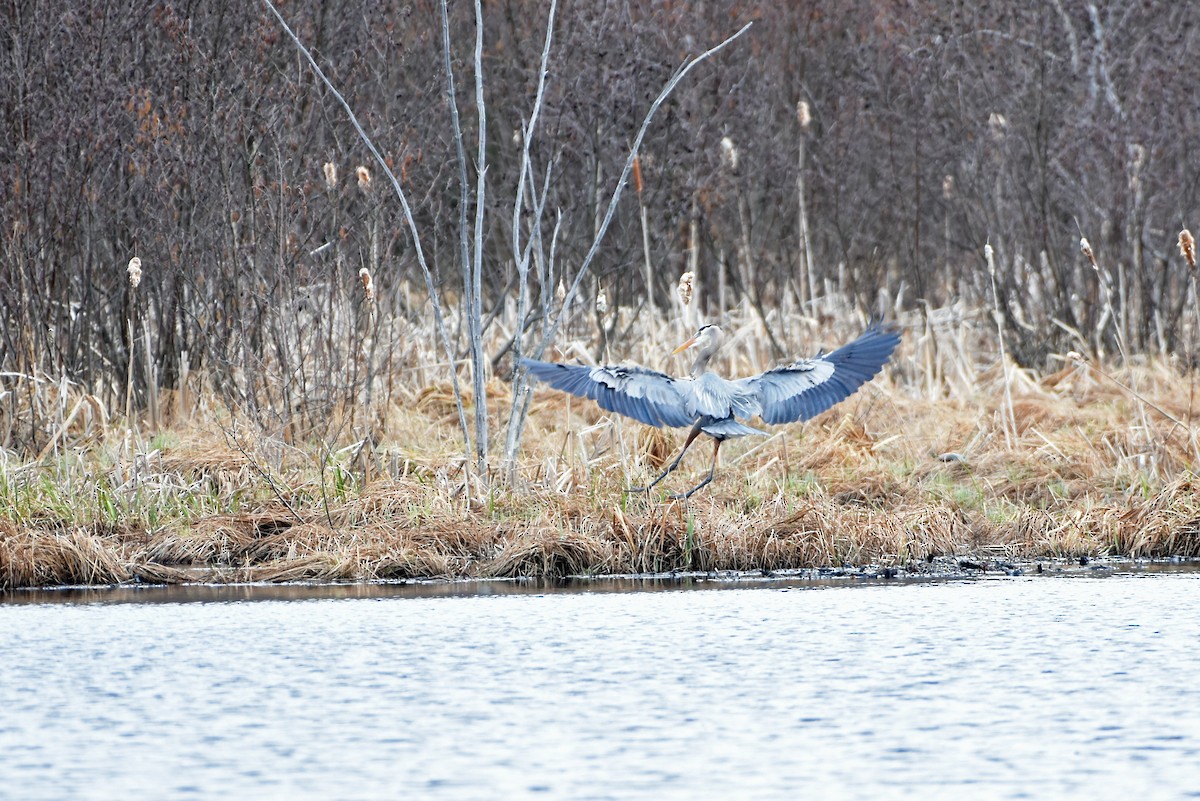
(191, 135)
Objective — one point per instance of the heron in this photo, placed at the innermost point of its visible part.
(715, 406)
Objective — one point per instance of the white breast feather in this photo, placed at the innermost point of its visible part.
(713, 396)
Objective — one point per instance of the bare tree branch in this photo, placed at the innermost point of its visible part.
(615, 198)
(430, 286)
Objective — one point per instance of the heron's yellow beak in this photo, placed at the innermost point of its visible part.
(685, 346)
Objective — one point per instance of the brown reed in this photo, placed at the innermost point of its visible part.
(1048, 464)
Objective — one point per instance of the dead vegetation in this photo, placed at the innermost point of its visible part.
(975, 463)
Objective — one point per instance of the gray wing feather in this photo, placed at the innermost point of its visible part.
(808, 387)
(647, 396)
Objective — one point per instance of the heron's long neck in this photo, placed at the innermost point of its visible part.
(700, 366)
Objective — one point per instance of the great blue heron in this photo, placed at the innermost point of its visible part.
(713, 405)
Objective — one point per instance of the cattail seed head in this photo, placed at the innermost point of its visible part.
(803, 116)
(685, 287)
(601, 303)
(331, 175)
(729, 154)
(997, 125)
(637, 174)
(1085, 248)
(134, 270)
(364, 275)
(364, 178)
(560, 293)
(948, 187)
(1187, 246)
(1137, 156)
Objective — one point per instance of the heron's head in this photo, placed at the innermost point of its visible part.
(706, 341)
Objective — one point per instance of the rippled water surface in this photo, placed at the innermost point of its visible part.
(1013, 688)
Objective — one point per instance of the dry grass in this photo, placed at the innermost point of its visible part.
(947, 454)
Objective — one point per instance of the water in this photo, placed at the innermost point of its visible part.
(1010, 688)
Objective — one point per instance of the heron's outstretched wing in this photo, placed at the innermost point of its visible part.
(808, 387)
(647, 396)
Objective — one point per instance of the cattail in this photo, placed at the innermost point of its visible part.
(998, 125)
(685, 287)
(1086, 249)
(802, 115)
(729, 154)
(560, 293)
(602, 303)
(637, 174)
(135, 272)
(1187, 246)
(364, 275)
(1137, 156)
(331, 175)
(948, 187)
(364, 178)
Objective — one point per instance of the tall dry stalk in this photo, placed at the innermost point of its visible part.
(1187, 248)
(134, 272)
(690, 319)
(808, 279)
(370, 339)
(750, 282)
(1007, 415)
(152, 396)
(368, 351)
(638, 185)
(1110, 313)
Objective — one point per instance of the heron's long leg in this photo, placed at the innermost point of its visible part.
(695, 432)
(711, 472)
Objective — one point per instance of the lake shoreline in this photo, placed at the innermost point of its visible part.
(938, 571)
(403, 529)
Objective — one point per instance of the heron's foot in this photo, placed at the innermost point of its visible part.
(629, 490)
